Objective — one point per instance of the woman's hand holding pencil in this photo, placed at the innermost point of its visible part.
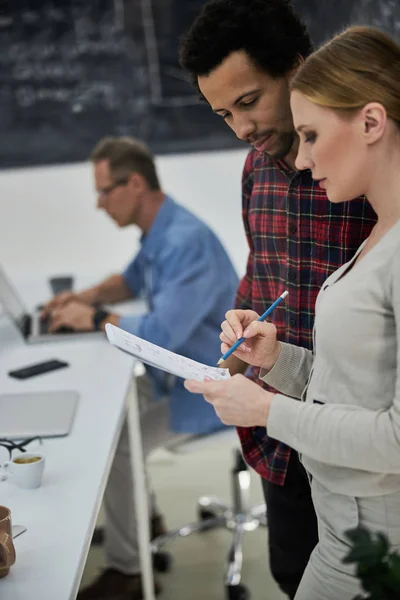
(240, 328)
(260, 348)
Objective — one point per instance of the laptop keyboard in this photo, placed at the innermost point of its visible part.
(44, 327)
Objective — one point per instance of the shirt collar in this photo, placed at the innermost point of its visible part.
(284, 167)
(153, 239)
(294, 174)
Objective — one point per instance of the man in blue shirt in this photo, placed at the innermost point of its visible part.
(188, 281)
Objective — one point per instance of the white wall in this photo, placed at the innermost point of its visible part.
(49, 223)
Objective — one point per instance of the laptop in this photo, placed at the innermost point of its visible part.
(37, 414)
(32, 327)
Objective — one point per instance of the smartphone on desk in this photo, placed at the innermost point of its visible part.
(38, 369)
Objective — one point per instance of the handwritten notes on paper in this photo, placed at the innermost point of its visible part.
(160, 358)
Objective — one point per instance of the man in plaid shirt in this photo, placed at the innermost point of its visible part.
(241, 55)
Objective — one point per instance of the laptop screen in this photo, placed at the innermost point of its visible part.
(10, 301)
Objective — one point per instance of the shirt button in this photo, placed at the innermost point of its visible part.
(292, 275)
(292, 228)
(293, 322)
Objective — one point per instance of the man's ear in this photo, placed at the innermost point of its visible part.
(374, 120)
(137, 182)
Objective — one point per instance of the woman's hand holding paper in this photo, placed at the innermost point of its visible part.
(237, 401)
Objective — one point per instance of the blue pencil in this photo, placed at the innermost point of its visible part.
(262, 318)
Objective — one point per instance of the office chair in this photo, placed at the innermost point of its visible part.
(239, 517)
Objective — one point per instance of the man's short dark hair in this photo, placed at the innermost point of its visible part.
(269, 31)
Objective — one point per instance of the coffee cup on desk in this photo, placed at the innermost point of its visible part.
(26, 470)
(7, 550)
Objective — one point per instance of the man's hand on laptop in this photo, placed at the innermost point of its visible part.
(74, 315)
(58, 301)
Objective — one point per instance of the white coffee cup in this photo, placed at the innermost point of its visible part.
(24, 473)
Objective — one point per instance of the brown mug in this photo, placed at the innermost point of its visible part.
(7, 550)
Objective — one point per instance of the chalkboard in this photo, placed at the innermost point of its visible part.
(326, 17)
(72, 71)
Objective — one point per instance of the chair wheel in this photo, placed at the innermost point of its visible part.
(238, 592)
(205, 514)
(162, 562)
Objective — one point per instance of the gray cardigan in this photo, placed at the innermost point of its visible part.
(350, 442)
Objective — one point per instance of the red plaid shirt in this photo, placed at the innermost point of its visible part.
(296, 239)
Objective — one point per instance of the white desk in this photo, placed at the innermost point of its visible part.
(60, 516)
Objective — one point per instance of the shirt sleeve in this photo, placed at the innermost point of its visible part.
(133, 277)
(244, 293)
(344, 435)
(188, 291)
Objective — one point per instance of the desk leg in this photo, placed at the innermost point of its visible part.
(142, 510)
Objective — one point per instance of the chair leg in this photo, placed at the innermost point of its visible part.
(240, 481)
(234, 562)
(259, 512)
(206, 524)
(211, 505)
(235, 590)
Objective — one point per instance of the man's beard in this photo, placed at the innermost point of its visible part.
(284, 145)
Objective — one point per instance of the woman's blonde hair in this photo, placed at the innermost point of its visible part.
(358, 66)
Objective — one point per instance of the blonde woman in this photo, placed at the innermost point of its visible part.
(345, 101)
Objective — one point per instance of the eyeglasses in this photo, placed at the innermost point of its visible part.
(102, 193)
(11, 445)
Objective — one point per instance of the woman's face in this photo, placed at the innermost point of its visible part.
(332, 147)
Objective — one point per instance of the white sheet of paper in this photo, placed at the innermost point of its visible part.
(160, 358)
